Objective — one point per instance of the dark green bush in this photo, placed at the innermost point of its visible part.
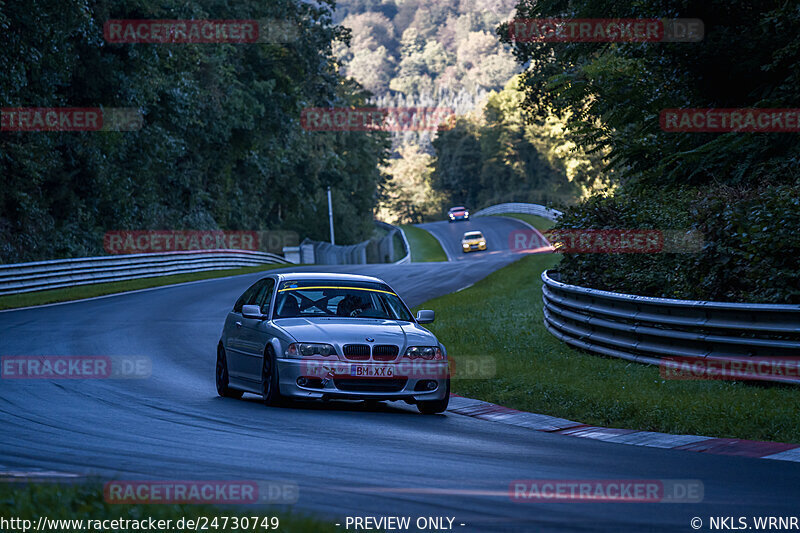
(750, 250)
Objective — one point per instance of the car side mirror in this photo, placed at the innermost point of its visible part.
(425, 316)
(252, 311)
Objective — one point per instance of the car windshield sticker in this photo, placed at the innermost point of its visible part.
(296, 288)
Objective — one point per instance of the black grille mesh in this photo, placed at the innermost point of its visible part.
(385, 352)
(357, 352)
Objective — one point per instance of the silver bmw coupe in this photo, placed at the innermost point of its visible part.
(330, 336)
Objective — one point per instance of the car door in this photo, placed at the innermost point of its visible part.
(236, 343)
(256, 332)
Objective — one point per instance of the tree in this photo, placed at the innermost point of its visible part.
(221, 145)
(497, 155)
(613, 93)
(408, 197)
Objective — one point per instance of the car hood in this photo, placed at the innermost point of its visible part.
(340, 331)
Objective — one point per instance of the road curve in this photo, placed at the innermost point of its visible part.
(348, 459)
(495, 229)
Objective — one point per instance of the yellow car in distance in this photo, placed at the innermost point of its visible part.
(473, 241)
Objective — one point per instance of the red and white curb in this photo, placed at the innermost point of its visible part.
(780, 451)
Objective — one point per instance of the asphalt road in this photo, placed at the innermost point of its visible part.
(495, 229)
(348, 459)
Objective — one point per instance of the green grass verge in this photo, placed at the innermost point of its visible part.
(424, 246)
(66, 294)
(501, 317)
(540, 223)
(58, 501)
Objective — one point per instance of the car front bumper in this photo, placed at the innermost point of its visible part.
(339, 384)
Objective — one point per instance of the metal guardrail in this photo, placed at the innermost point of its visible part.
(392, 230)
(530, 209)
(645, 329)
(40, 275)
(369, 251)
(326, 253)
(406, 246)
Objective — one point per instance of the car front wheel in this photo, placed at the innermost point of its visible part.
(433, 407)
(270, 390)
(222, 379)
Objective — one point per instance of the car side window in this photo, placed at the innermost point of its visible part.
(265, 295)
(249, 296)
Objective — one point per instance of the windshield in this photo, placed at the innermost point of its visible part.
(341, 299)
(471, 236)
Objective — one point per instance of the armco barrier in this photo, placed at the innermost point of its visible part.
(645, 329)
(27, 277)
(325, 253)
(406, 246)
(388, 244)
(529, 209)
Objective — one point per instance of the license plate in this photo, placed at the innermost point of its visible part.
(371, 371)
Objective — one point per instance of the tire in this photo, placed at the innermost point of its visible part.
(221, 376)
(270, 388)
(434, 407)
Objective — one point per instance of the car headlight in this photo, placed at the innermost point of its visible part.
(482, 243)
(296, 350)
(424, 352)
(452, 215)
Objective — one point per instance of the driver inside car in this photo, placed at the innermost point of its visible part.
(289, 308)
(352, 306)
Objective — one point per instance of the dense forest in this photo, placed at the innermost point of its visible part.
(221, 144)
(571, 124)
(497, 155)
(576, 125)
(446, 53)
(220, 148)
(740, 190)
(426, 47)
